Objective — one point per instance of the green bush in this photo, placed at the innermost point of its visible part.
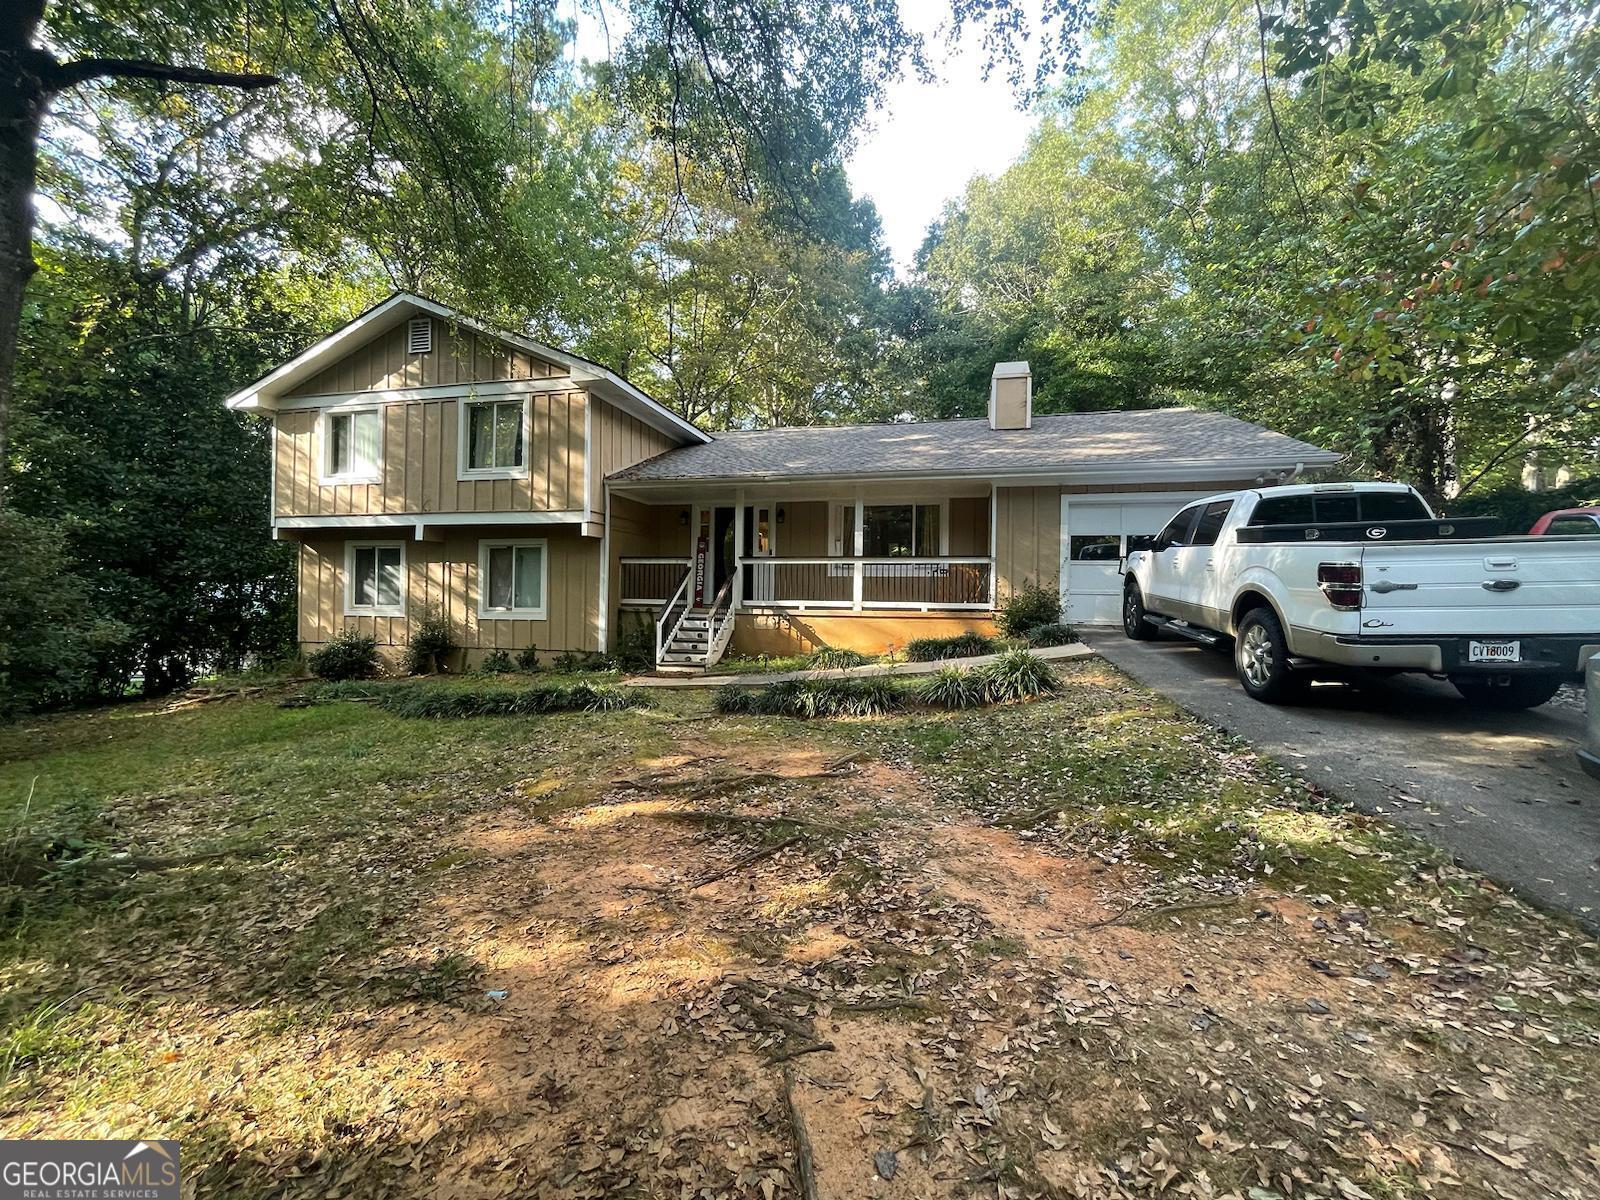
(812, 698)
(1029, 606)
(1017, 675)
(349, 654)
(636, 647)
(52, 643)
(1051, 635)
(1520, 508)
(449, 700)
(432, 643)
(962, 645)
(951, 687)
(828, 658)
(528, 660)
(497, 662)
(733, 700)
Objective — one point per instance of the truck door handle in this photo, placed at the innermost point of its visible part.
(1501, 585)
(1384, 586)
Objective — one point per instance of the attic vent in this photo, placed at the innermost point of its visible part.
(419, 336)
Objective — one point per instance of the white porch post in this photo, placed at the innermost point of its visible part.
(858, 542)
(737, 598)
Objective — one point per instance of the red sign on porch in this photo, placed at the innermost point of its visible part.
(702, 550)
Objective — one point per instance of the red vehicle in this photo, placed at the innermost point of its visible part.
(1581, 522)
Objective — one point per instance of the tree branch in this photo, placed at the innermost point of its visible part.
(71, 74)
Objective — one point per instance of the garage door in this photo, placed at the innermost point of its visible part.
(1094, 533)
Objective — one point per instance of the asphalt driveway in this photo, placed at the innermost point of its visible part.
(1501, 791)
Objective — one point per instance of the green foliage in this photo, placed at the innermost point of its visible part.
(1051, 635)
(830, 658)
(812, 698)
(1029, 606)
(1017, 675)
(433, 641)
(951, 687)
(636, 647)
(497, 662)
(1520, 508)
(454, 700)
(962, 645)
(349, 654)
(53, 645)
(528, 660)
(733, 700)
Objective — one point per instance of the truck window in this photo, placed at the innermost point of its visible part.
(1176, 532)
(1284, 510)
(1345, 507)
(1392, 506)
(1209, 526)
(1575, 523)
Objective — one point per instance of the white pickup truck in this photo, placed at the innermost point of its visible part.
(1337, 576)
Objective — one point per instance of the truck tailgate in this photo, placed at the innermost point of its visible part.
(1518, 586)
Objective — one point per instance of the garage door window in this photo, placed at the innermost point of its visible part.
(1096, 547)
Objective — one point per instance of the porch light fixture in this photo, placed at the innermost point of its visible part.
(781, 514)
(683, 517)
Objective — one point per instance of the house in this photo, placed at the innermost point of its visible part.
(422, 459)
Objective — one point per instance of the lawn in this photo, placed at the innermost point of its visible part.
(1085, 946)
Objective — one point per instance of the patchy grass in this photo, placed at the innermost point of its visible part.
(1082, 945)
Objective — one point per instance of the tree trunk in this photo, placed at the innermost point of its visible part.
(23, 96)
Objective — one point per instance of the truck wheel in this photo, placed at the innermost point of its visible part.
(1514, 694)
(1261, 658)
(1133, 622)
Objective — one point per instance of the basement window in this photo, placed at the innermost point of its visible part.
(512, 579)
(374, 579)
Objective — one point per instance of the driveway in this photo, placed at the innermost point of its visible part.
(1501, 791)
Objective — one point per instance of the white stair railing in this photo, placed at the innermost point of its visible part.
(671, 616)
(719, 630)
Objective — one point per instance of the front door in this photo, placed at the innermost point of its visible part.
(712, 551)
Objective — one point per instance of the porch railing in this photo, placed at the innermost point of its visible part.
(862, 583)
(719, 627)
(671, 613)
(650, 580)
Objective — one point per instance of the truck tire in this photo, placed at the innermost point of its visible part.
(1133, 622)
(1513, 695)
(1261, 659)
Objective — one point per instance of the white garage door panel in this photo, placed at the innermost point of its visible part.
(1094, 533)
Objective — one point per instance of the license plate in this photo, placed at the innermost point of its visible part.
(1494, 652)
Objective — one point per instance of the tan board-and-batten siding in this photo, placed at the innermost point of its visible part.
(419, 463)
(458, 356)
(444, 574)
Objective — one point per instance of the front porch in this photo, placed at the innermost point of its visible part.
(784, 573)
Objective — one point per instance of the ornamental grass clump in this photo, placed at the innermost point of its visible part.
(951, 687)
(443, 700)
(1051, 635)
(829, 658)
(962, 645)
(1017, 675)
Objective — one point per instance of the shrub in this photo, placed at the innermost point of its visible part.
(733, 700)
(1051, 635)
(52, 643)
(1017, 675)
(636, 648)
(528, 660)
(350, 654)
(432, 643)
(448, 700)
(828, 658)
(951, 687)
(1029, 606)
(962, 645)
(497, 662)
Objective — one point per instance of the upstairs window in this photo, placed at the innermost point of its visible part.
(351, 445)
(512, 579)
(374, 583)
(494, 438)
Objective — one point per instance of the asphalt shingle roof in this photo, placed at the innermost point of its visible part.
(1059, 442)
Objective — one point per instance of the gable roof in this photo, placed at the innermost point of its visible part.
(400, 307)
(1167, 441)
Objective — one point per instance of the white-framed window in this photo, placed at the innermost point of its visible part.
(375, 579)
(493, 437)
(890, 530)
(513, 578)
(352, 445)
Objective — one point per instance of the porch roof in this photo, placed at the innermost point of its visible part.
(1150, 441)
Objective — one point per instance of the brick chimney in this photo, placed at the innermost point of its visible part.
(1011, 396)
